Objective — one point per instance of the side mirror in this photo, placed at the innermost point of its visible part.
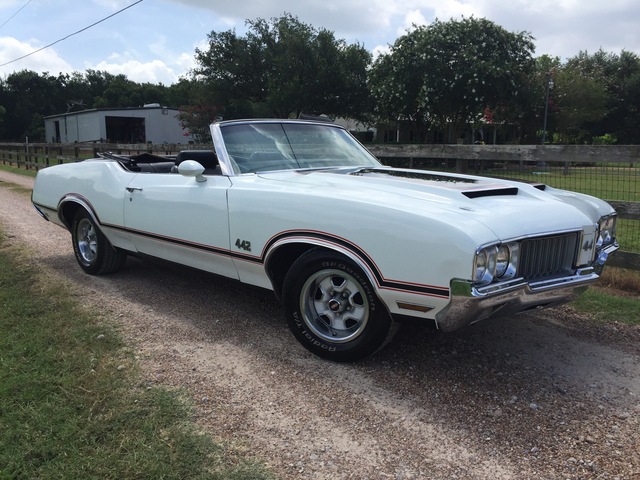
(191, 168)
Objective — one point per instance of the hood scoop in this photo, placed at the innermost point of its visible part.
(469, 187)
(494, 192)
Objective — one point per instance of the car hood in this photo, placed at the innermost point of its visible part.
(508, 208)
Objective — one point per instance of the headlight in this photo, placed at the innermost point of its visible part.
(482, 261)
(502, 260)
(606, 231)
(485, 265)
(496, 262)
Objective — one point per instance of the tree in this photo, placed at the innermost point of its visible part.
(622, 77)
(285, 67)
(198, 108)
(35, 129)
(28, 93)
(448, 73)
(118, 92)
(2, 113)
(596, 98)
(195, 121)
(106, 90)
(580, 99)
(531, 101)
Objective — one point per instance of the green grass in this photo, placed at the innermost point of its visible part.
(19, 171)
(614, 299)
(628, 235)
(603, 182)
(72, 404)
(607, 308)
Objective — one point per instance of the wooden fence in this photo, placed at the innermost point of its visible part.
(553, 164)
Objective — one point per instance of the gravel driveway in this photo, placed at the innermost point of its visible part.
(545, 395)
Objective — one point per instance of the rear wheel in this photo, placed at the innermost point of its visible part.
(94, 253)
(332, 309)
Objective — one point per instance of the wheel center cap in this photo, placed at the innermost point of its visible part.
(334, 305)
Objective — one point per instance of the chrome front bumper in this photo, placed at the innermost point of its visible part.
(470, 304)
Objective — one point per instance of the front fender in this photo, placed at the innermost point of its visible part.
(281, 255)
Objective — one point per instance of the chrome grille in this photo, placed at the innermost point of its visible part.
(547, 256)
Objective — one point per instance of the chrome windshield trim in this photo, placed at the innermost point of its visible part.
(229, 166)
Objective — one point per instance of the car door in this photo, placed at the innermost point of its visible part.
(176, 218)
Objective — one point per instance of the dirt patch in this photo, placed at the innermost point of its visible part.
(544, 395)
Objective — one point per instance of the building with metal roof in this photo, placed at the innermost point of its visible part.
(149, 124)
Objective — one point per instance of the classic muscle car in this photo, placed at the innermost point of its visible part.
(350, 247)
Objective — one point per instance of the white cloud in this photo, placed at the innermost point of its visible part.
(380, 50)
(412, 19)
(183, 62)
(44, 61)
(154, 71)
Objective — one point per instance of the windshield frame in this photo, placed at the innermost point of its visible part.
(258, 146)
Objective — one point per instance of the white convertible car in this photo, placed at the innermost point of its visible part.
(349, 246)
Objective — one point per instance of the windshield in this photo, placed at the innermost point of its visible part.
(261, 147)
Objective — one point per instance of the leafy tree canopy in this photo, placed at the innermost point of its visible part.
(595, 97)
(286, 67)
(450, 73)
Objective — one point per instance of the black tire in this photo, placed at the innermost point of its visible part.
(94, 253)
(332, 309)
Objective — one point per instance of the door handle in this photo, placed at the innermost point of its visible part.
(133, 189)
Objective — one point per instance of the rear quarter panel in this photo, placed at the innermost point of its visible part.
(100, 183)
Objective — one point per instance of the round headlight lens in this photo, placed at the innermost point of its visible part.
(611, 225)
(607, 229)
(485, 265)
(482, 261)
(502, 260)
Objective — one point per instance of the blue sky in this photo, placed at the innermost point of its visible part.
(155, 40)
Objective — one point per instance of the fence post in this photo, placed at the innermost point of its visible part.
(26, 153)
(35, 157)
(462, 165)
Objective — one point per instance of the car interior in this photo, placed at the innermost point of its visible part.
(150, 163)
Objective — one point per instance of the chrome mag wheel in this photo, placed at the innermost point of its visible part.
(335, 306)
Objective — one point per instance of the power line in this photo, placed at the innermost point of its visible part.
(19, 10)
(71, 34)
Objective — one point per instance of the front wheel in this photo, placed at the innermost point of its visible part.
(332, 309)
(93, 251)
